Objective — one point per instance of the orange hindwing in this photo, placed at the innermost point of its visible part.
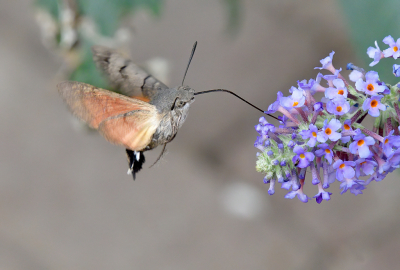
(121, 120)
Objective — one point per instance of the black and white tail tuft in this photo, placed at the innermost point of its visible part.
(135, 160)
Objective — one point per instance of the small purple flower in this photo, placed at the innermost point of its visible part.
(300, 195)
(259, 144)
(290, 144)
(322, 195)
(394, 47)
(396, 70)
(374, 53)
(282, 121)
(355, 75)
(361, 144)
(264, 129)
(344, 169)
(327, 63)
(271, 189)
(329, 175)
(389, 142)
(318, 106)
(317, 87)
(263, 121)
(275, 106)
(371, 85)
(346, 127)
(296, 100)
(332, 77)
(339, 91)
(394, 159)
(373, 105)
(293, 89)
(366, 165)
(381, 176)
(306, 85)
(293, 182)
(338, 106)
(325, 151)
(387, 90)
(355, 186)
(329, 131)
(286, 185)
(310, 134)
(383, 165)
(304, 157)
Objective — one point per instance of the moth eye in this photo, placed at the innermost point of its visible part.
(180, 104)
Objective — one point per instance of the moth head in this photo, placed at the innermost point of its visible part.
(178, 98)
(184, 96)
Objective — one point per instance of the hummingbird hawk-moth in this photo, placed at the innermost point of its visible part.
(126, 119)
(137, 123)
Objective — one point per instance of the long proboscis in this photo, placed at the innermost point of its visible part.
(239, 97)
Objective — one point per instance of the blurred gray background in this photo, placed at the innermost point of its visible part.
(67, 203)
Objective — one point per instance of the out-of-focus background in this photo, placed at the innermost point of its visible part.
(66, 201)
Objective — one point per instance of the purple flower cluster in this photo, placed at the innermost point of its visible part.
(326, 139)
(392, 51)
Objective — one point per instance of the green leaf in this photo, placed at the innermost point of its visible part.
(371, 20)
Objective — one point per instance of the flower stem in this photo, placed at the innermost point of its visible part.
(372, 134)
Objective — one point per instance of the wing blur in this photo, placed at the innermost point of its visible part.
(123, 74)
(121, 120)
(133, 130)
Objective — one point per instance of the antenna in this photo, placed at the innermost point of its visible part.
(190, 60)
(230, 92)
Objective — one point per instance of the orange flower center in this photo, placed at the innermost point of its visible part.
(362, 163)
(386, 141)
(370, 87)
(295, 103)
(328, 131)
(314, 134)
(302, 156)
(360, 142)
(338, 109)
(327, 151)
(342, 166)
(346, 126)
(340, 92)
(395, 48)
(374, 103)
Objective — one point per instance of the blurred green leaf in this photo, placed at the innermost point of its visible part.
(87, 71)
(371, 20)
(154, 6)
(108, 14)
(105, 13)
(234, 8)
(50, 5)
